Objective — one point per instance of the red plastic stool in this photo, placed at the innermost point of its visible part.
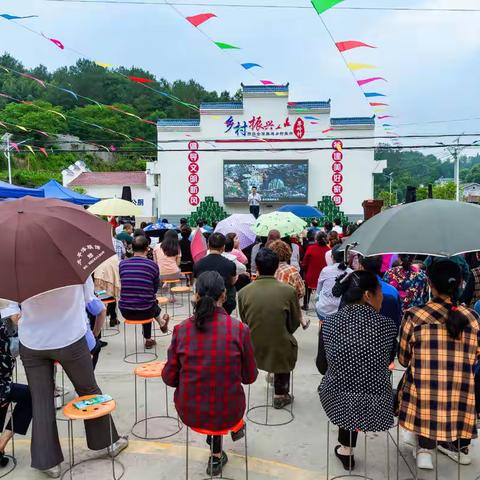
(241, 424)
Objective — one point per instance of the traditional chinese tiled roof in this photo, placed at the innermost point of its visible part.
(221, 106)
(309, 105)
(341, 121)
(264, 88)
(178, 122)
(109, 178)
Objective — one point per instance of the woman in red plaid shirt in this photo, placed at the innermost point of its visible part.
(210, 356)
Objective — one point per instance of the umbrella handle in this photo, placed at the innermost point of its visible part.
(347, 248)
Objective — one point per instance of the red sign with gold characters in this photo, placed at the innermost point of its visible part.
(193, 178)
(299, 128)
(337, 167)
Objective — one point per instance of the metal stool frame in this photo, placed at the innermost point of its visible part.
(211, 453)
(145, 420)
(61, 419)
(109, 331)
(269, 404)
(189, 296)
(414, 471)
(11, 458)
(152, 355)
(357, 475)
(169, 332)
(71, 454)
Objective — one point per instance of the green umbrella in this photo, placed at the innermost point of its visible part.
(285, 222)
(441, 228)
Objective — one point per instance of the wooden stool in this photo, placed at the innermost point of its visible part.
(182, 291)
(89, 413)
(146, 371)
(150, 355)
(108, 331)
(268, 405)
(241, 424)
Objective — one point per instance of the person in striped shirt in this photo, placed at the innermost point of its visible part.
(139, 278)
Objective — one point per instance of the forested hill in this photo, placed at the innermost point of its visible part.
(76, 114)
(117, 96)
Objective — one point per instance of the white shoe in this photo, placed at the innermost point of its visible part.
(118, 446)
(462, 457)
(424, 458)
(409, 438)
(53, 472)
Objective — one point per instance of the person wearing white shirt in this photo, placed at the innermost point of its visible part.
(327, 303)
(52, 328)
(254, 200)
(337, 226)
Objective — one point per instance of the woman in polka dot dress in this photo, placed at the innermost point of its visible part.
(356, 346)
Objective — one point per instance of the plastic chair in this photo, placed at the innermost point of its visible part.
(89, 413)
(268, 405)
(182, 291)
(150, 355)
(108, 331)
(12, 459)
(241, 424)
(151, 371)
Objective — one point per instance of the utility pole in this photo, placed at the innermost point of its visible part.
(6, 137)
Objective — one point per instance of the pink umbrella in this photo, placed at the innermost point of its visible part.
(198, 246)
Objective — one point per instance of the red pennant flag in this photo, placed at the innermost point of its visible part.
(43, 151)
(378, 104)
(385, 116)
(197, 20)
(140, 79)
(350, 44)
(327, 130)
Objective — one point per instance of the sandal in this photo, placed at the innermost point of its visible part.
(166, 319)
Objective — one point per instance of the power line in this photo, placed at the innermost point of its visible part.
(248, 5)
(270, 150)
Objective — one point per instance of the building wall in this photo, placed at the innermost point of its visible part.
(172, 195)
(139, 192)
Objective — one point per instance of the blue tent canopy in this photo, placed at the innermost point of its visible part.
(53, 189)
(302, 211)
(12, 191)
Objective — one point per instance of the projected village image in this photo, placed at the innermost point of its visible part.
(277, 182)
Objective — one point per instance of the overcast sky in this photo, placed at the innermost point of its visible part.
(430, 59)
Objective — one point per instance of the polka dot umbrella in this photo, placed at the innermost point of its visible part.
(285, 222)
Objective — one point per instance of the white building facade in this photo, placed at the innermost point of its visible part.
(266, 127)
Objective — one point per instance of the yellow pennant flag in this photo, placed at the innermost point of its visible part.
(281, 94)
(22, 128)
(103, 65)
(360, 66)
(30, 148)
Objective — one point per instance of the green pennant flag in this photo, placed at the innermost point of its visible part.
(226, 46)
(322, 5)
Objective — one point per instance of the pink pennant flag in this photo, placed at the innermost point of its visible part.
(368, 80)
(198, 247)
(197, 20)
(44, 151)
(43, 133)
(113, 148)
(350, 44)
(14, 146)
(267, 82)
(378, 104)
(385, 116)
(40, 82)
(56, 42)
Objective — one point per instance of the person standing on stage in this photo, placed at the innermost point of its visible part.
(254, 200)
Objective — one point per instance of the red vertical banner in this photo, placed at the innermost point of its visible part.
(337, 168)
(193, 177)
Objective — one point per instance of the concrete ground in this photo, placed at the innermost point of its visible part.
(296, 451)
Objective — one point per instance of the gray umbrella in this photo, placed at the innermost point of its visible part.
(441, 228)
